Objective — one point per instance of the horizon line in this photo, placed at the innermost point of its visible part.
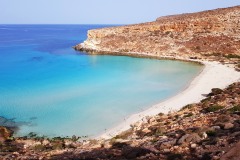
(58, 24)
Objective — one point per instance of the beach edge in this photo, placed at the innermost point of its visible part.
(213, 75)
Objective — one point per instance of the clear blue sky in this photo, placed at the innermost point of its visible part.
(99, 11)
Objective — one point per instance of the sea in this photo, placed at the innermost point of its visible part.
(48, 88)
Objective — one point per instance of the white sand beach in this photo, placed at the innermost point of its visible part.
(214, 75)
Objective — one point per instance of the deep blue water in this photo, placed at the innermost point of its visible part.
(49, 88)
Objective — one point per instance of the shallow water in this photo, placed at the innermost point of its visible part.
(48, 88)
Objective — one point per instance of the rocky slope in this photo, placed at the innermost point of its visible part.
(195, 35)
(206, 130)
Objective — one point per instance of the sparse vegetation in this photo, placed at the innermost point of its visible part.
(189, 106)
(124, 50)
(160, 114)
(57, 145)
(235, 109)
(124, 135)
(206, 99)
(160, 131)
(32, 135)
(214, 108)
(216, 54)
(39, 148)
(188, 115)
(232, 56)
(113, 141)
(211, 133)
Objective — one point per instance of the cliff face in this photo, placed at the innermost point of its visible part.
(186, 35)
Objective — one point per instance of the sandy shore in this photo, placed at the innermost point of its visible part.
(214, 75)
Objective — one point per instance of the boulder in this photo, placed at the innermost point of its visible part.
(187, 138)
(193, 146)
(168, 144)
(5, 134)
(228, 125)
(134, 152)
(233, 153)
(146, 130)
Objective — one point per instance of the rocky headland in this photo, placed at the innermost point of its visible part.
(207, 129)
(211, 35)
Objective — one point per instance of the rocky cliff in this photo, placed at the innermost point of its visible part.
(208, 33)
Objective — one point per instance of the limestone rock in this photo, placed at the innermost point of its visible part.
(228, 125)
(168, 144)
(194, 138)
(208, 33)
(193, 145)
(232, 154)
(5, 134)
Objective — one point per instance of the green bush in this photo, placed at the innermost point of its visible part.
(160, 131)
(235, 109)
(189, 115)
(232, 56)
(161, 114)
(205, 100)
(216, 54)
(214, 108)
(113, 141)
(32, 135)
(216, 91)
(189, 106)
(57, 145)
(211, 133)
(125, 134)
(39, 148)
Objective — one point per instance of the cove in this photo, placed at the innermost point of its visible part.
(48, 88)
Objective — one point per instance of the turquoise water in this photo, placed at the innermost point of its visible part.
(48, 88)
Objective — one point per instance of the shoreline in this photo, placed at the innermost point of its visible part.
(213, 75)
(140, 55)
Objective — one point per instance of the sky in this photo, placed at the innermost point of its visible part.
(99, 11)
